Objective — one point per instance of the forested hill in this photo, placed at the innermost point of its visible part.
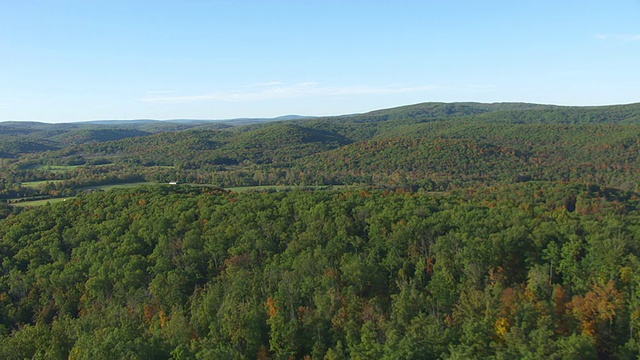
(21, 137)
(536, 270)
(434, 146)
(499, 112)
(27, 137)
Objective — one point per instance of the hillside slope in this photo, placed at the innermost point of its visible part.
(435, 146)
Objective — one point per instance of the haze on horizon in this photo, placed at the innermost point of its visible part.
(72, 60)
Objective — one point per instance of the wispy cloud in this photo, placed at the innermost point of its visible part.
(481, 87)
(276, 91)
(619, 37)
(262, 84)
(26, 102)
(156, 92)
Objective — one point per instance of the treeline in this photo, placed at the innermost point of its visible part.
(534, 270)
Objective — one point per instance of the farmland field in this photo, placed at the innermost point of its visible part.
(116, 186)
(38, 202)
(35, 184)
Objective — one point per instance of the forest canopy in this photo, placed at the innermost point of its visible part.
(534, 270)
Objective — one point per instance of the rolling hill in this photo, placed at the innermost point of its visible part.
(435, 146)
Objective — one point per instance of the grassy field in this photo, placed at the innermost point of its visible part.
(62, 168)
(55, 168)
(281, 187)
(116, 186)
(35, 184)
(41, 202)
(38, 202)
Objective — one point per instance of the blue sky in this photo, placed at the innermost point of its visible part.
(64, 60)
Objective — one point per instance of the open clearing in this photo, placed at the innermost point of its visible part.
(62, 168)
(39, 202)
(35, 184)
(115, 186)
(282, 187)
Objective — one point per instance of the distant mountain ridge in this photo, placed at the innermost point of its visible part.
(150, 121)
(18, 138)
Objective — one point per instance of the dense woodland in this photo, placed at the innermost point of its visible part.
(447, 231)
(531, 271)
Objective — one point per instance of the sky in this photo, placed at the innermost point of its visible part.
(73, 60)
